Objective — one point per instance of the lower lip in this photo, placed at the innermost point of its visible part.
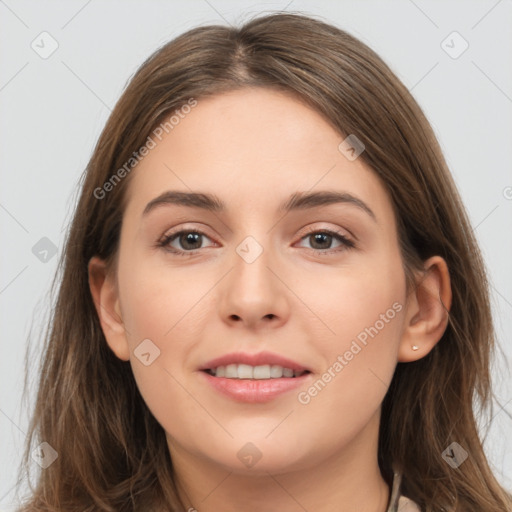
(254, 391)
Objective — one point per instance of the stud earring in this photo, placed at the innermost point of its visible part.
(415, 347)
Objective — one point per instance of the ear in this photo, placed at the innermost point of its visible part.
(104, 291)
(426, 315)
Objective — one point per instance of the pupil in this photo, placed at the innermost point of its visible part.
(318, 237)
(190, 238)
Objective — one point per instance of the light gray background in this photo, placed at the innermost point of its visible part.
(54, 109)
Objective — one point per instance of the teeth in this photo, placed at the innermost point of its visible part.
(287, 372)
(276, 372)
(245, 371)
(261, 372)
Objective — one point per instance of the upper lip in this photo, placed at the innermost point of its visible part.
(259, 359)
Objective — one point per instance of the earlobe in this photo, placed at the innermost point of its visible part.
(427, 311)
(106, 300)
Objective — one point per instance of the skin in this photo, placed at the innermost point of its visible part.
(253, 148)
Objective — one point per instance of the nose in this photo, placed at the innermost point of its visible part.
(254, 294)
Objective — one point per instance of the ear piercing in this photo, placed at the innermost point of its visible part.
(415, 347)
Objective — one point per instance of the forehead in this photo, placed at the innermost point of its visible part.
(252, 147)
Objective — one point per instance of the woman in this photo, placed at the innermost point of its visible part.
(261, 369)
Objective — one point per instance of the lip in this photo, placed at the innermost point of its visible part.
(259, 359)
(254, 391)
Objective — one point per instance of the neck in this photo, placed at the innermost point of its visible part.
(349, 480)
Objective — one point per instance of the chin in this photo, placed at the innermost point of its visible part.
(261, 456)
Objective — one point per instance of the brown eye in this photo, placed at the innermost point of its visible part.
(189, 242)
(321, 240)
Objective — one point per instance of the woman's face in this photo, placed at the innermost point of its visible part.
(259, 278)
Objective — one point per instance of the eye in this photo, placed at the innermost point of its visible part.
(190, 241)
(323, 238)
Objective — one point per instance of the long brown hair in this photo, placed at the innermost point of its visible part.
(112, 453)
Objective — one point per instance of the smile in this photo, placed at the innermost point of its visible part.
(247, 389)
(262, 372)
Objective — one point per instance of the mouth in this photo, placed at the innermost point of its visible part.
(245, 383)
(260, 372)
(254, 378)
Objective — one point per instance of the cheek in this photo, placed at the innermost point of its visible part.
(159, 301)
(355, 300)
(158, 305)
(364, 312)
(167, 306)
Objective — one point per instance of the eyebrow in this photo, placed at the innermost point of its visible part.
(297, 201)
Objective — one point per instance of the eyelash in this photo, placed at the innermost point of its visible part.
(165, 241)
